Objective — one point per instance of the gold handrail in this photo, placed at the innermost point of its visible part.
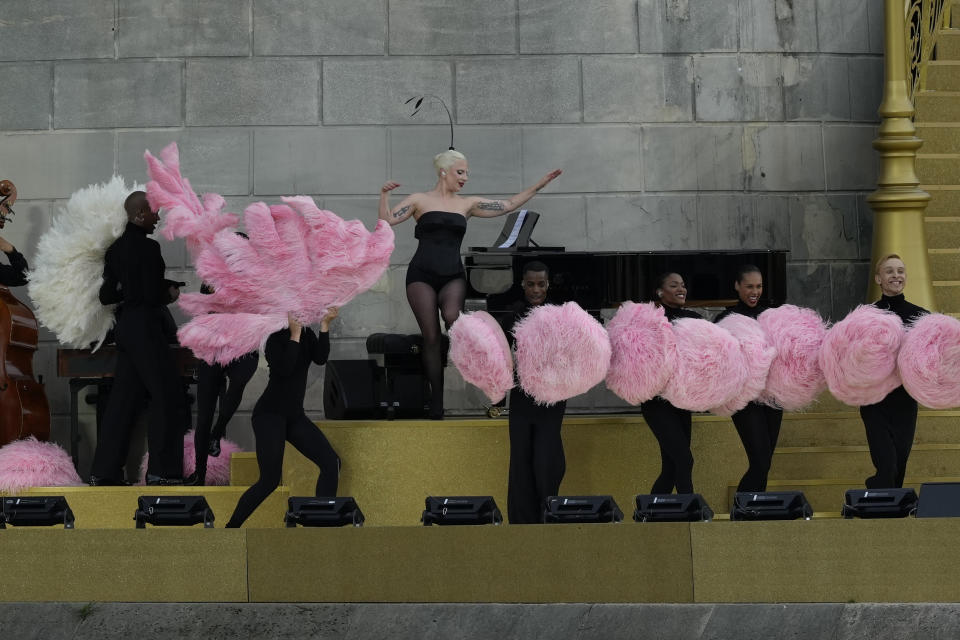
(923, 20)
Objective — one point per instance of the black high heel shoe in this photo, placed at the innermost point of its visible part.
(195, 479)
(214, 448)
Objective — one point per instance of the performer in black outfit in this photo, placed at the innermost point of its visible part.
(891, 423)
(537, 462)
(279, 417)
(435, 277)
(758, 425)
(133, 276)
(671, 426)
(15, 273)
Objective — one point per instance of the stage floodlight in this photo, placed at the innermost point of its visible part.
(939, 500)
(670, 507)
(36, 511)
(581, 509)
(165, 511)
(879, 503)
(456, 510)
(770, 505)
(323, 512)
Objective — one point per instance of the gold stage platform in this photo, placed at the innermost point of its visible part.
(822, 560)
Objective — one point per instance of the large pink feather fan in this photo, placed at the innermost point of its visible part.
(186, 215)
(757, 353)
(224, 337)
(795, 378)
(859, 356)
(644, 352)
(30, 463)
(709, 370)
(929, 361)
(480, 352)
(561, 352)
(218, 468)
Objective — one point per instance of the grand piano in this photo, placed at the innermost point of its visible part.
(604, 279)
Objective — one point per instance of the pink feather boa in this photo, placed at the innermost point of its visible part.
(859, 356)
(561, 352)
(929, 361)
(710, 369)
(480, 352)
(644, 352)
(795, 378)
(757, 353)
(218, 469)
(30, 463)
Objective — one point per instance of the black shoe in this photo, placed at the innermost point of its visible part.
(94, 481)
(214, 448)
(436, 414)
(195, 479)
(160, 481)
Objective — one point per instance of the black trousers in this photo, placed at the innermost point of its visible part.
(537, 463)
(272, 431)
(890, 425)
(210, 380)
(145, 369)
(758, 427)
(672, 427)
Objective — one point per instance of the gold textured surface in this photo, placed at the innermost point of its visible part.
(148, 565)
(625, 562)
(827, 560)
(113, 507)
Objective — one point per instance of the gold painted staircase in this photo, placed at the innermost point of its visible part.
(938, 164)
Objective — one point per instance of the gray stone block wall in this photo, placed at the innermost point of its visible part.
(679, 124)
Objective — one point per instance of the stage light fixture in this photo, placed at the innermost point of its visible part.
(460, 510)
(770, 505)
(36, 511)
(939, 500)
(581, 509)
(879, 503)
(164, 511)
(323, 512)
(670, 507)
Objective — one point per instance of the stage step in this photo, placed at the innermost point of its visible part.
(945, 264)
(113, 507)
(944, 202)
(938, 137)
(243, 469)
(943, 232)
(792, 463)
(938, 106)
(846, 428)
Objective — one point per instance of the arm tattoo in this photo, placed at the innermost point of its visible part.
(401, 211)
(492, 205)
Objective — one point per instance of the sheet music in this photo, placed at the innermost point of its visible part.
(509, 242)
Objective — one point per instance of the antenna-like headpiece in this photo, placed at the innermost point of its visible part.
(419, 103)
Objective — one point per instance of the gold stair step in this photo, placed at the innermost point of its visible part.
(939, 168)
(939, 137)
(943, 75)
(937, 106)
(842, 429)
(113, 507)
(944, 264)
(948, 43)
(942, 232)
(947, 295)
(791, 463)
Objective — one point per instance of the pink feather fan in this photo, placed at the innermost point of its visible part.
(480, 352)
(562, 351)
(757, 353)
(709, 370)
(218, 468)
(929, 361)
(859, 356)
(795, 378)
(644, 352)
(30, 463)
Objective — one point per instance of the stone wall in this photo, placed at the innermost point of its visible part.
(680, 124)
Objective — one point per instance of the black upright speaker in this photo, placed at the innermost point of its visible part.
(348, 389)
(939, 500)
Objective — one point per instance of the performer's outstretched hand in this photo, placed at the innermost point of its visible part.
(327, 319)
(389, 185)
(547, 179)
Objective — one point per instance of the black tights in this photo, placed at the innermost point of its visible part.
(272, 431)
(424, 301)
(759, 428)
(672, 427)
(210, 379)
(890, 425)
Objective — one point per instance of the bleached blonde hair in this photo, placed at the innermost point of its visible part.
(445, 160)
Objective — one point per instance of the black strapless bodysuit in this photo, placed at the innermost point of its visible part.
(437, 260)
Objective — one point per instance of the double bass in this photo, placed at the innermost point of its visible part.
(24, 410)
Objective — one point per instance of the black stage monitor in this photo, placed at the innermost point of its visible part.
(879, 503)
(36, 511)
(770, 505)
(939, 500)
(323, 512)
(454, 510)
(580, 509)
(669, 507)
(162, 511)
(348, 388)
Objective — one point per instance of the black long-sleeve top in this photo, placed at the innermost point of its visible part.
(289, 362)
(133, 271)
(743, 309)
(907, 311)
(675, 313)
(15, 273)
